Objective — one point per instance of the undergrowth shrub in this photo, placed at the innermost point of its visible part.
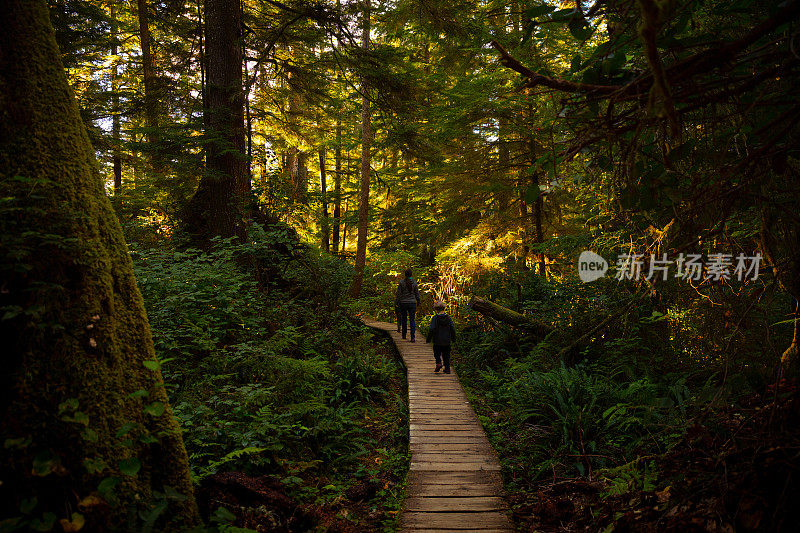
(600, 408)
(266, 370)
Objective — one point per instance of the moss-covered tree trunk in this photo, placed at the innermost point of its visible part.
(84, 419)
(509, 316)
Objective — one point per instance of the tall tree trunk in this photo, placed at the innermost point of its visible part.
(74, 354)
(115, 125)
(219, 205)
(203, 65)
(298, 171)
(151, 95)
(538, 204)
(248, 118)
(366, 140)
(523, 215)
(337, 188)
(344, 227)
(537, 219)
(323, 185)
(503, 160)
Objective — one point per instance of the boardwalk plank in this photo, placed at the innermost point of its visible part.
(456, 503)
(454, 482)
(479, 520)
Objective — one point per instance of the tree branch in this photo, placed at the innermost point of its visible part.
(554, 83)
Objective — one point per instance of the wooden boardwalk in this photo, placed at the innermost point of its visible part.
(454, 481)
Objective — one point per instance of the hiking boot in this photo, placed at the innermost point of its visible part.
(412, 339)
(438, 367)
(446, 370)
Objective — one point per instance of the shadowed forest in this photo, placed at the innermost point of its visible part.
(200, 201)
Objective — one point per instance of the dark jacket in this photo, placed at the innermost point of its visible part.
(442, 330)
(405, 296)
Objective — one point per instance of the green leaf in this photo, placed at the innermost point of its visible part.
(78, 418)
(575, 64)
(12, 311)
(75, 523)
(532, 193)
(150, 517)
(173, 494)
(44, 463)
(125, 429)
(536, 11)
(107, 485)
(155, 409)
(28, 505)
(682, 151)
(45, 523)
(131, 466)
(151, 364)
(528, 32)
(93, 466)
(562, 15)
(148, 439)
(222, 515)
(580, 29)
(67, 406)
(19, 443)
(613, 63)
(141, 393)
(89, 435)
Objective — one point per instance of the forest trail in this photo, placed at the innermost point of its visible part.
(454, 480)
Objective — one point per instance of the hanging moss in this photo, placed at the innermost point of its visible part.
(73, 324)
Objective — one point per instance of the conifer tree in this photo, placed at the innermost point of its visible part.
(366, 140)
(219, 205)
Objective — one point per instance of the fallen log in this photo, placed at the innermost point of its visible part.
(509, 316)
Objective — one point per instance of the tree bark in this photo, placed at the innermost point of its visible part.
(502, 159)
(508, 316)
(538, 204)
(323, 185)
(337, 188)
(151, 95)
(115, 122)
(248, 118)
(298, 171)
(537, 218)
(366, 140)
(219, 207)
(523, 214)
(344, 228)
(75, 346)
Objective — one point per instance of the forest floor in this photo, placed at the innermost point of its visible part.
(736, 469)
(365, 497)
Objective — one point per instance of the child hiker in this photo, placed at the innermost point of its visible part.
(442, 331)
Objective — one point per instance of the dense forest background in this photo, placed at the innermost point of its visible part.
(199, 199)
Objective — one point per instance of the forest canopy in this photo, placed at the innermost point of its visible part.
(201, 201)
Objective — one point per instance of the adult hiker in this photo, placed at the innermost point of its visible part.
(407, 298)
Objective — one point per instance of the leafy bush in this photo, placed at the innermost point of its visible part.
(267, 372)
